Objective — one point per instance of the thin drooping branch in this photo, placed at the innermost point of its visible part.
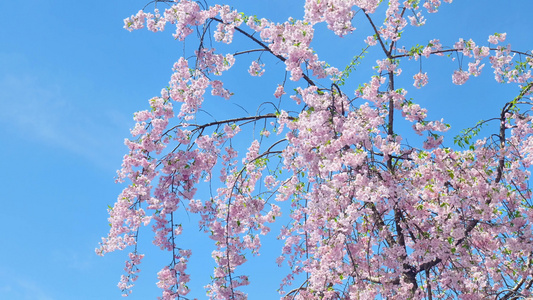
(381, 224)
(386, 216)
(499, 173)
(516, 288)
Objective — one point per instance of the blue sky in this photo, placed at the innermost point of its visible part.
(70, 80)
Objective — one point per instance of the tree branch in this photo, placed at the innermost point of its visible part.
(283, 59)
(378, 36)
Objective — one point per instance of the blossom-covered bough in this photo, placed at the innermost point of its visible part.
(370, 215)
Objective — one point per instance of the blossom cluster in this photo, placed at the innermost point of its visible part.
(368, 215)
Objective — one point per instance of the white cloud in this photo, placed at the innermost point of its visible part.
(31, 290)
(21, 288)
(82, 261)
(37, 111)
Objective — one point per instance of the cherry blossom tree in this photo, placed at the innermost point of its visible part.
(370, 215)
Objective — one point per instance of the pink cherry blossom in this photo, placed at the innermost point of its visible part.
(497, 38)
(459, 77)
(256, 69)
(375, 202)
(421, 79)
(279, 91)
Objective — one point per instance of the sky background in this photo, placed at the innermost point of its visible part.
(70, 80)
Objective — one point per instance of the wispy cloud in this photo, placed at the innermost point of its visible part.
(42, 112)
(19, 288)
(80, 261)
(32, 290)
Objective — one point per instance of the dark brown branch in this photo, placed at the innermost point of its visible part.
(249, 51)
(378, 35)
(457, 50)
(514, 291)
(499, 173)
(228, 121)
(396, 31)
(428, 284)
(260, 43)
(381, 224)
